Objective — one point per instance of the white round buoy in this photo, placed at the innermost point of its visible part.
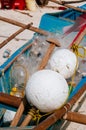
(47, 90)
(64, 62)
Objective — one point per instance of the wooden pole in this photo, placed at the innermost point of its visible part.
(35, 29)
(58, 114)
(68, 6)
(10, 100)
(75, 117)
(18, 113)
(28, 117)
(70, 2)
(14, 35)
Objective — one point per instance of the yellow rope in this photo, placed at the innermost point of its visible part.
(37, 116)
(76, 49)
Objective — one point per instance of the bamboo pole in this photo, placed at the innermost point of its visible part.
(10, 100)
(14, 35)
(18, 113)
(75, 117)
(32, 28)
(58, 114)
(68, 6)
(29, 117)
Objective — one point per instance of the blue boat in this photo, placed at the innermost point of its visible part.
(54, 24)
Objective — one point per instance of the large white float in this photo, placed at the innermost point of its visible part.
(47, 90)
(63, 61)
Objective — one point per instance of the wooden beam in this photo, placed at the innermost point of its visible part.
(32, 28)
(10, 100)
(75, 117)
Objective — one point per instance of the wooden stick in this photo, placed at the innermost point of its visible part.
(35, 29)
(14, 35)
(59, 113)
(10, 100)
(28, 117)
(70, 2)
(23, 13)
(68, 6)
(46, 57)
(18, 113)
(13, 60)
(75, 117)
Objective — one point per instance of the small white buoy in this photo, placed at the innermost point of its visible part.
(47, 90)
(63, 61)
